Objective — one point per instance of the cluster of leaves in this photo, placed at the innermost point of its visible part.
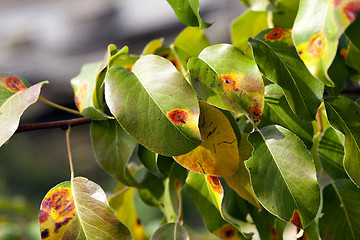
(243, 128)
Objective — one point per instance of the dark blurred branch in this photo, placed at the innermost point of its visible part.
(63, 124)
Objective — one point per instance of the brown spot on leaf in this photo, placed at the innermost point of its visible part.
(343, 53)
(178, 116)
(274, 233)
(296, 219)
(128, 67)
(255, 113)
(316, 45)
(230, 82)
(227, 232)
(60, 224)
(177, 185)
(14, 84)
(351, 10)
(215, 184)
(276, 34)
(45, 234)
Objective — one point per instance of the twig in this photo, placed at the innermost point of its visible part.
(63, 124)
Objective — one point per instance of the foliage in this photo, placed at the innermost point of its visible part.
(246, 130)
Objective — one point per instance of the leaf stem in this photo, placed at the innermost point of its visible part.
(59, 106)
(63, 124)
(180, 208)
(69, 152)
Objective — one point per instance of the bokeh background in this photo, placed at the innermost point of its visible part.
(51, 40)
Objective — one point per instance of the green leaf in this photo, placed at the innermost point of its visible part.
(331, 153)
(187, 12)
(278, 60)
(283, 175)
(352, 57)
(317, 30)
(152, 46)
(79, 210)
(223, 76)
(207, 193)
(285, 13)
(353, 32)
(247, 25)
(277, 111)
(113, 148)
(14, 104)
(170, 231)
(155, 105)
(344, 116)
(338, 73)
(84, 86)
(189, 43)
(341, 211)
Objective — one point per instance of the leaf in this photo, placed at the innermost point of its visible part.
(240, 182)
(285, 13)
(160, 112)
(79, 210)
(187, 12)
(84, 86)
(344, 116)
(152, 46)
(11, 84)
(278, 60)
(218, 153)
(341, 211)
(207, 193)
(283, 175)
(226, 78)
(247, 25)
(113, 148)
(189, 43)
(124, 207)
(157, 164)
(170, 231)
(260, 5)
(15, 104)
(352, 32)
(331, 153)
(277, 111)
(317, 30)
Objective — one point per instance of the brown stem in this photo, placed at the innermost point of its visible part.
(63, 124)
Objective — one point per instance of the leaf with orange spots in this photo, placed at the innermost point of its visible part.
(277, 59)
(124, 207)
(207, 192)
(218, 153)
(14, 102)
(166, 114)
(79, 210)
(317, 30)
(283, 175)
(226, 78)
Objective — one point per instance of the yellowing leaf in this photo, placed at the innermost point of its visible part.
(218, 154)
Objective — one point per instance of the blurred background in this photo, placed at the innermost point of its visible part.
(51, 40)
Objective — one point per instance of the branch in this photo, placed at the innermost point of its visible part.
(63, 124)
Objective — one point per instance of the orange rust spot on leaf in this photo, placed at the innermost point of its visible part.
(316, 45)
(178, 116)
(215, 184)
(296, 219)
(227, 232)
(128, 67)
(274, 233)
(45, 234)
(177, 185)
(343, 53)
(351, 10)
(14, 84)
(255, 113)
(276, 34)
(230, 82)
(80, 96)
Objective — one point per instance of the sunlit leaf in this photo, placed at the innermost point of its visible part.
(84, 86)
(278, 60)
(165, 116)
(218, 153)
(14, 103)
(317, 30)
(152, 46)
(189, 43)
(331, 153)
(343, 115)
(341, 211)
(187, 12)
(247, 25)
(223, 76)
(113, 148)
(79, 210)
(170, 231)
(277, 111)
(283, 175)
(240, 182)
(207, 193)
(285, 13)
(124, 207)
